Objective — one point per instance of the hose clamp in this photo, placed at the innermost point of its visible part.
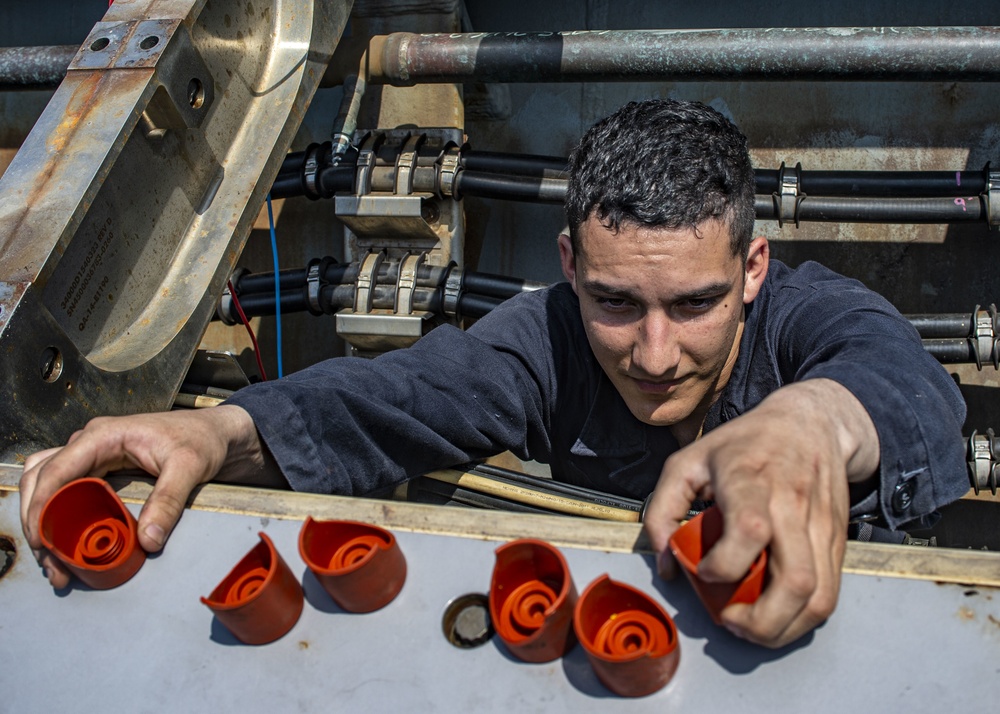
(313, 286)
(364, 293)
(452, 291)
(310, 171)
(788, 197)
(982, 471)
(407, 283)
(405, 164)
(992, 197)
(984, 337)
(450, 166)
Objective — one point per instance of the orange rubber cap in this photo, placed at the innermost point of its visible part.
(531, 600)
(259, 600)
(692, 541)
(630, 640)
(87, 527)
(360, 565)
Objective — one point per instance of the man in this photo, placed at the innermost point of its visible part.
(677, 361)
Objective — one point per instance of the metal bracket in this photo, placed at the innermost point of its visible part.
(788, 197)
(367, 276)
(313, 287)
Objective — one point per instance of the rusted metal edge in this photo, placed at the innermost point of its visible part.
(945, 565)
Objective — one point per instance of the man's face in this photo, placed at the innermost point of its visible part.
(663, 311)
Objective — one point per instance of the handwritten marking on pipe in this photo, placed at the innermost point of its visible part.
(958, 178)
(960, 202)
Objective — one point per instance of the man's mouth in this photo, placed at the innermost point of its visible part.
(664, 386)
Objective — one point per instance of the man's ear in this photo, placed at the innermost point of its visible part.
(755, 270)
(567, 259)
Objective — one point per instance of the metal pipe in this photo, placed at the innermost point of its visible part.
(34, 67)
(888, 54)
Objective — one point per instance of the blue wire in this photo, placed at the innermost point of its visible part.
(277, 283)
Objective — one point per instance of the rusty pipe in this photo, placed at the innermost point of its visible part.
(913, 54)
(34, 67)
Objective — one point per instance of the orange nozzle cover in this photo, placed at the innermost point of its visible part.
(87, 527)
(260, 599)
(691, 542)
(360, 565)
(630, 640)
(531, 600)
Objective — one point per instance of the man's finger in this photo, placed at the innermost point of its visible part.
(680, 483)
(747, 529)
(165, 505)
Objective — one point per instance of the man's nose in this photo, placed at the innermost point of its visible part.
(656, 350)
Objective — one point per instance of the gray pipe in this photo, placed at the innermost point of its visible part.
(924, 54)
(34, 67)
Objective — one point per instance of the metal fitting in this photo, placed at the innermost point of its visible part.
(992, 199)
(450, 166)
(364, 293)
(982, 461)
(452, 291)
(984, 337)
(788, 197)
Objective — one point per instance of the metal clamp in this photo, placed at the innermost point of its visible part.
(407, 283)
(982, 471)
(364, 294)
(366, 162)
(992, 199)
(452, 291)
(984, 337)
(450, 165)
(310, 171)
(313, 286)
(788, 197)
(405, 164)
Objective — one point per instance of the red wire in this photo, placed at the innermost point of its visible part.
(246, 323)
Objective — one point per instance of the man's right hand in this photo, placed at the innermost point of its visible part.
(182, 449)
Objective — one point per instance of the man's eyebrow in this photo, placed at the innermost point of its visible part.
(702, 291)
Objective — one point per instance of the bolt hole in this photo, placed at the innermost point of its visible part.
(196, 93)
(466, 621)
(99, 44)
(51, 364)
(149, 43)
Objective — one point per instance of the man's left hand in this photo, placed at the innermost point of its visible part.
(779, 474)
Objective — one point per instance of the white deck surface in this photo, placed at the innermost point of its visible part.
(150, 646)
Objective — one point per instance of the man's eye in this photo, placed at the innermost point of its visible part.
(613, 303)
(700, 303)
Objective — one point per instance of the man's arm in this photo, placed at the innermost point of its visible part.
(182, 449)
(780, 476)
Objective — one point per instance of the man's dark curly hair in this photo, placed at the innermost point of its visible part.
(663, 163)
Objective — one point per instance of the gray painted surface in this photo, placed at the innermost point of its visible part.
(150, 645)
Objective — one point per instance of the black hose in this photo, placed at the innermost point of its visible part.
(898, 184)
(957, 351)
(499, 286)
(263, 283)
(513, 188)
(877, 210)
(954, 325)
(263, 303)
(475, 306)
(517, 164)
